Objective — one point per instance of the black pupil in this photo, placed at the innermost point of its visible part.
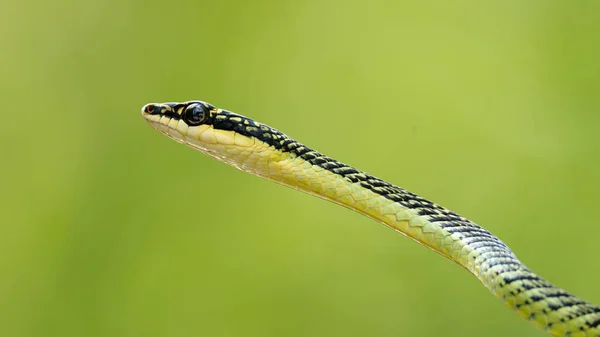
(194, 115)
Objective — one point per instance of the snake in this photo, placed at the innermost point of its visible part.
(263, 151)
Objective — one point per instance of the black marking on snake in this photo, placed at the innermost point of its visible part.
(510, 267)
(167, 113)
(427, 211)
(536, 298)
(516, 278)
(320, 161)
(379, 183)
(344, 170)
(330, 166)
(536, 285)
(481, 241)
(447, 217)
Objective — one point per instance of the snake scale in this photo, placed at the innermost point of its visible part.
(261, 150)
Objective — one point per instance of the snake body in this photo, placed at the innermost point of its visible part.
(261, 150)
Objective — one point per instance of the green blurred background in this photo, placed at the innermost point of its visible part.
(111, 229)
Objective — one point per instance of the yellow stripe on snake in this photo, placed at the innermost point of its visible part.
(266, 152)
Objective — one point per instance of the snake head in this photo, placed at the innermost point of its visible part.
(222, 134)
(180, 120)
(201, 126)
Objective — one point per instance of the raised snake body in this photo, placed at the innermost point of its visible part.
(266, 152)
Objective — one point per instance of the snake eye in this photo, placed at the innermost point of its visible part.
(149, 108)
(195, 114)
